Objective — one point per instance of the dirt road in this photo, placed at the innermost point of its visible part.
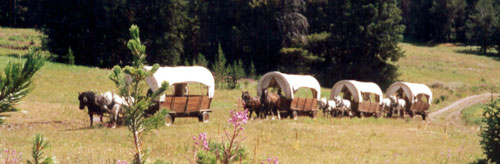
(454, 110)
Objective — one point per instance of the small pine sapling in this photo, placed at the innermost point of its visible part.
(132, 89)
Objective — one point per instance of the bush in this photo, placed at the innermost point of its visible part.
(490, 132)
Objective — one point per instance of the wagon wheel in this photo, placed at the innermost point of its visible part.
(295, 115)
(204, 117)
(169, 120)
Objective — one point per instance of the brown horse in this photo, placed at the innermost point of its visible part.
(251, 103)
(271, 103)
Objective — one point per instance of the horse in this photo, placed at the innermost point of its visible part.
(89, 99)
(271, 103)
(327, 106)
(387, 106)
(398, 105)
(116, 102)
(343, 105)
(251, 103)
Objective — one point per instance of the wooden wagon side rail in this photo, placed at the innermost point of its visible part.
(304, 104)
(419, 107)
(186, 104)
(369, 107)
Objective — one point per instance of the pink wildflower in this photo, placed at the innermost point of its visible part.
(202, 137)
(121, 162)
(275, 160)
(12, 156)
(271, 161)
(238, 118)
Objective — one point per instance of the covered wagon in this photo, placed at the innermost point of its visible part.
(418, 97)
(365, 97)
(289, 85)
(180, 103)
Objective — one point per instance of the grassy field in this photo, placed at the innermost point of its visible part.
(52, 109)
(17, 41)
(473, 115)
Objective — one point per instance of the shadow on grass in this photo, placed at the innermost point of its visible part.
(478, 53)
(98, 126)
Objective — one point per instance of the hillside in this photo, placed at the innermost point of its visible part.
(52, 109)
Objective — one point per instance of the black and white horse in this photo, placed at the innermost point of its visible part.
(327, 106)
(114, 104)
(343, 105)
(394, 105)
(89, 99)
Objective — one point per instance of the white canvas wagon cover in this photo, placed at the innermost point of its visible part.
(180, 75)
(411, 90)
(356, 88)
(288, 83)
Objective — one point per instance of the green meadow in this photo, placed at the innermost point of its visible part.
(452, 72)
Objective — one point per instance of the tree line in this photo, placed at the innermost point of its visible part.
(330, 39)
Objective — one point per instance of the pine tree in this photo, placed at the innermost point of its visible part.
(201, 60)
(236, 72)
(134, 93)
(363, 41)
(219, 68)
(481, 25)
(490, 132)
(70, 58)
(17, 82)
(40, 144)
(293, 25)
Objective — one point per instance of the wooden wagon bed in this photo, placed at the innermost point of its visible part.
(186, 104)
(369, 107)
(180, 103)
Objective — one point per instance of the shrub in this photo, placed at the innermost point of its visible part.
(490, 132)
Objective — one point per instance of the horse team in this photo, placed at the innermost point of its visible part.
(269, 103)
(107, 102)
(348, 98)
